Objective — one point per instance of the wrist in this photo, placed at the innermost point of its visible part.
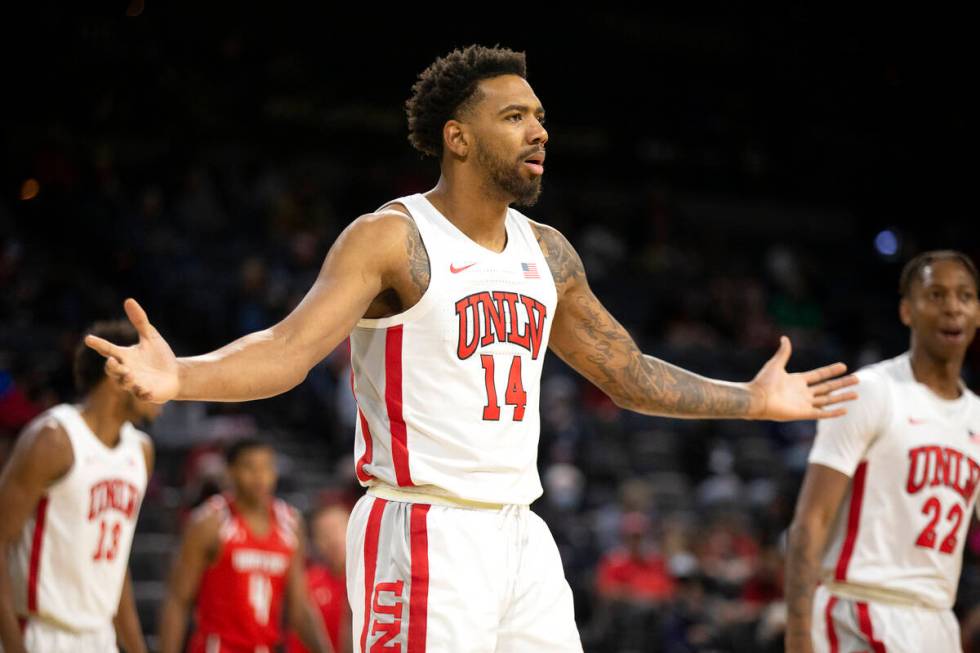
(758, 401)
(182, 370)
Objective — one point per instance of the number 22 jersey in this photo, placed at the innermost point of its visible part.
(914, 463)
(448, 390)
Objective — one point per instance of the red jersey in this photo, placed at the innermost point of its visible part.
(239, 603)
(329, 592)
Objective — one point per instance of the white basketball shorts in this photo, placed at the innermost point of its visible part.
(42, 637)
(426, 578)
(842, 625)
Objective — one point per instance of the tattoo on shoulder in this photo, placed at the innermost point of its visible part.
(418, 258)
(562, 258)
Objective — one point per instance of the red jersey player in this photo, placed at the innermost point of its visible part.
(891, 487)
(69, 499)
(240, 559)
(325, 576)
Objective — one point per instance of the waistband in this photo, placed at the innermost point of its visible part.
(873, 593)
(416, 495)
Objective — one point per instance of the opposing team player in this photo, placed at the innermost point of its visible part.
(891, 487)
(69, 499)
(240, 560)
(451, 299)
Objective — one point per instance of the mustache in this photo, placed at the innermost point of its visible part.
(530, 153)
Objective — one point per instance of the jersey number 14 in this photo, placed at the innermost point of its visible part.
(514, 395)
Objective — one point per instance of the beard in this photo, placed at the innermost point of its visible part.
(504, 178)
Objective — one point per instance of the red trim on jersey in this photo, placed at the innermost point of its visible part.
(418, 600)
(35, 564)
(368, 454)
(853, 521)
(371, 561)
(393, 400)
(831, 633)
(864, 622)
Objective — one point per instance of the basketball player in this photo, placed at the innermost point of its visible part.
(890, 490)
(451, 299)
(69, 498)
(241, 556)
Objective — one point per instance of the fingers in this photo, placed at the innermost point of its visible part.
(824, 373)
(115, 369)
(120, 374)
(781, 357)
(827, 400)
(834, 384)
(826, 414)
(138, 317)
(104, 347)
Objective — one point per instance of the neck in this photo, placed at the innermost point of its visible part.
(104, 410)
(472, 208)
(252, 507)
(940, 375)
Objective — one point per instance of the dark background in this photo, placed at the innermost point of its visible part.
(724, 173)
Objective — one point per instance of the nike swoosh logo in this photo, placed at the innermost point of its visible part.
(456, 270)
(916, 422)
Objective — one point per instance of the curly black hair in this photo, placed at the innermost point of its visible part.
(89, 366)
(913, 269)
(448, 87)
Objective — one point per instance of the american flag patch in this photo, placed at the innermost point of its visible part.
(530, 270)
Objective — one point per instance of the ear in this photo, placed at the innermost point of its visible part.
(456, 138)
(905, 312)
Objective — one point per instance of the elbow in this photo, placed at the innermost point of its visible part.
(622, 399)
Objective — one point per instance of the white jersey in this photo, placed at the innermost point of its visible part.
(914, 459)
(69, 565)
(448, 391)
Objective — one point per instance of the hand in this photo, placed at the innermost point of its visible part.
(804, 395)
(147, 369)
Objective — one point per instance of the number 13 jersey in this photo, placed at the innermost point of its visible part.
(448, 390)
(914, 463)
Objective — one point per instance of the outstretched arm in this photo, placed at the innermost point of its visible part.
(357, 268)
(589, 339)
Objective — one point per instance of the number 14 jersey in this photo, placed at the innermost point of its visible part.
(914, 463)
(448, 391)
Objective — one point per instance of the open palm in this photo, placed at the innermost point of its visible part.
(148, 369)
(801, 395)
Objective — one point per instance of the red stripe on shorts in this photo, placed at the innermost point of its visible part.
(418, 601)
(35, 563)
(371, 562)
(864, 622)
(831, 632)
(393, 400)
(853, 521)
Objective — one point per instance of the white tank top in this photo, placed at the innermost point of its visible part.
(448, 391)
(70, 563)
(914, 463)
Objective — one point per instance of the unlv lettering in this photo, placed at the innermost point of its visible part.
(485, 318)
(933, 465)
(113, 494)
(388, 630)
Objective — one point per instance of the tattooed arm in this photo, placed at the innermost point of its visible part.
(376, 256)
(820, 498)
(587, 337)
